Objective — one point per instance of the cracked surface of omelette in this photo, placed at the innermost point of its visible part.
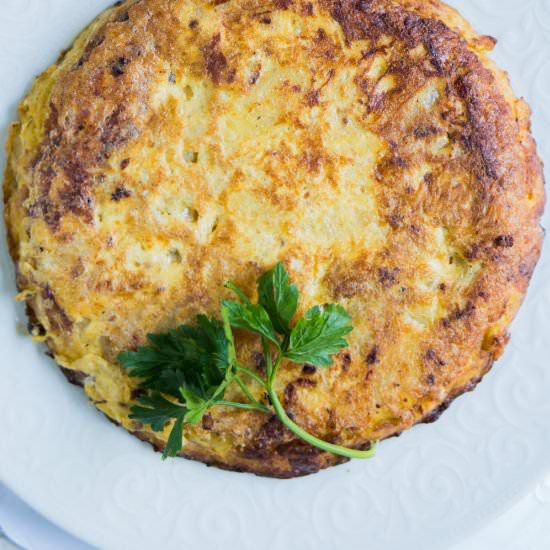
(370, 145)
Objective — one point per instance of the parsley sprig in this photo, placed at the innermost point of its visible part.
(186, 371)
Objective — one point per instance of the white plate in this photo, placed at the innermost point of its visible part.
(425, 490)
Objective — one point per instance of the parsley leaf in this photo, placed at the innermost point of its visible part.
(157, 411)
(196, 406)
(195, 357)
(169, 382)
(175, 442)
(319, 335)
(188, 363)
(278, 297)
(148, 363)
(251, 317)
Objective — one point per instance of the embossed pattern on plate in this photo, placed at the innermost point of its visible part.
(425, 490)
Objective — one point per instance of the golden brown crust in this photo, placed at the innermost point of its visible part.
(370, 144)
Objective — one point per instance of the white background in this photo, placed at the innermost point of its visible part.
(423, 490)
(525, 527)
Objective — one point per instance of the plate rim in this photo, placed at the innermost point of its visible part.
(494, 509)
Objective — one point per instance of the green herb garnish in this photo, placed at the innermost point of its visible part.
(186, 371)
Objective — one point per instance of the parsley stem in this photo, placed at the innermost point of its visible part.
(229, 335)
(245, 390)
(232, 286)
(252, 375)
(233, 361)
(294, 428)
(268, 358)
(219, 391)
(286, 342)
(248, 406)
(274, 369)
(311, 439)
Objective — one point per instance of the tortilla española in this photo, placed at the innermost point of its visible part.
(371, 145)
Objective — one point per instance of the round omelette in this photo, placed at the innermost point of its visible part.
(370, 145)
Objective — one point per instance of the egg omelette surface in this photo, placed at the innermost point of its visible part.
(370, 145)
